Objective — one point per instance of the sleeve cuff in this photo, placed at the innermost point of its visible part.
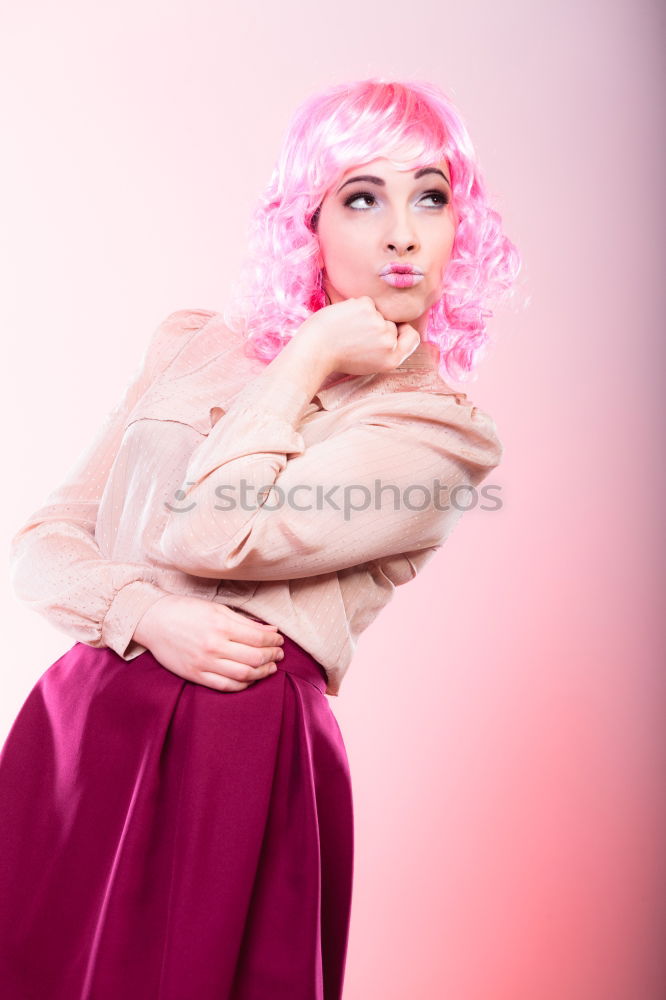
(124, 613)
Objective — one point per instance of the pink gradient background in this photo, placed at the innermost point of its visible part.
(504, 716)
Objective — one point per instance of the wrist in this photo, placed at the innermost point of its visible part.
(313, 353)
(146, 624)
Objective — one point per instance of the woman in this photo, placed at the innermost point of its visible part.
(176, 798)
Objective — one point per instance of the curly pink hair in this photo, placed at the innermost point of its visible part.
(412, 124)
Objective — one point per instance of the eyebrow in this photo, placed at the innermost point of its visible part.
(370, 179)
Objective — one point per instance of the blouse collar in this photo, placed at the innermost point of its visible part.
(419, 370)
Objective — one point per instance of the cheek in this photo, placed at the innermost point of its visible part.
(444, 247)
(341, 237)
(343, 252)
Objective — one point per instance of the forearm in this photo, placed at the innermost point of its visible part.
(245, 452)
(288, 382)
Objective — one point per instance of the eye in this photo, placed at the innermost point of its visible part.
(349, 202)
(443, 199)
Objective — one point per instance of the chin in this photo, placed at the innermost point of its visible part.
(399, 312)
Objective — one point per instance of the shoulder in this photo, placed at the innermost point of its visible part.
(171, 335)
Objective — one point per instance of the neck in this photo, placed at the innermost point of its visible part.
(424, 358)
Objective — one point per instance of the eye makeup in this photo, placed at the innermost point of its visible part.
(442, 196)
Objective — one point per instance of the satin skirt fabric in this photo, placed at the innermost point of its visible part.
(160, 840)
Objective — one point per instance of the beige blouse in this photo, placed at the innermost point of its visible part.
(306, 513)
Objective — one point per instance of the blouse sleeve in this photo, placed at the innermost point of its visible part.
(257, 504)
(56, 566)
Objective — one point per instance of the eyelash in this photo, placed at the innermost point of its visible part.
(367, 194)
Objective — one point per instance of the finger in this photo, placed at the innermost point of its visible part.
(253, 656)
(243, 672)
(218, 682)
(252, 633)
(408, 340)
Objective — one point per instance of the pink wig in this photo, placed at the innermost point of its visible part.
(411, 124)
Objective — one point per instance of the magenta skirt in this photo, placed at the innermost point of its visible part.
(160, 840)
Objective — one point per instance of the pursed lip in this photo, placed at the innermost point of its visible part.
(400, 269)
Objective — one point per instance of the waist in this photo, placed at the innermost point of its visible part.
(296, 659)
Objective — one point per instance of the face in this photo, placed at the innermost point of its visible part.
(376, 215)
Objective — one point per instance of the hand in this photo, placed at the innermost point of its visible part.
(208, 643)
(354, 337)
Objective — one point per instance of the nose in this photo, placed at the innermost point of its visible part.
(401, 237)
(400, 246)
